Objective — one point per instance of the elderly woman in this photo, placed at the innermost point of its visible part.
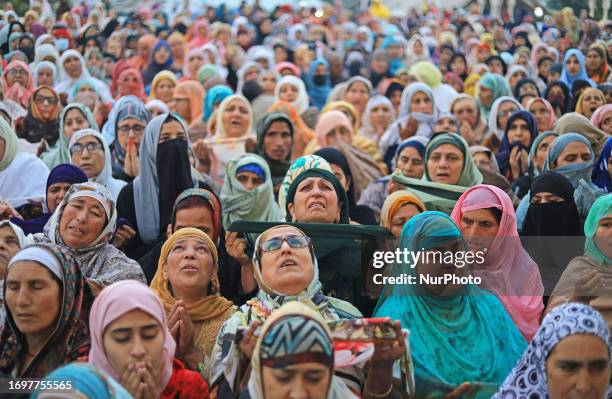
(456, 328)
(12, 239)
(74, 117)
(73, 70)
(398, 209)
(472, 125)
(46, 300)
(84, 224)
(357, 92)
(131, 342)
(186, 281)
(90, 153)
(485, 215)
(58, 183)
(247, 193)
(542, 370)
(286, 270)
(587, 278)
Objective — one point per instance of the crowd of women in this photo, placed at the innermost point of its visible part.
(190, 203)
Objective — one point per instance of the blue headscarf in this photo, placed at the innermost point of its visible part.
(89, 381)
(453, 338)
(394, 63)
(601, 175)
(154, 68)
(503, 155)
(214, 97)
(318, 94)
(582, 74)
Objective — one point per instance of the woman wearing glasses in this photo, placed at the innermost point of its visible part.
(286, 269)
(89, 152)
(16, 83)
(42, 120)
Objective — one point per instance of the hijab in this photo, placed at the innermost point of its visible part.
(580, 107)
(44, 65)
(569, 79)
(503, 156)
(220, 133)
(563, 104)
(157, 79)
(551, 112)
(60, 153)
(278, 169)
(493, 124)
(105, 177)
(534, 149)
(574, 122)
(318, 91)
(67, 82)
(157, 186)
(70, 339)
(555, 218)
(394, 202)
(214, 96)
(508, 270)
(601, 175)
(329, 121)
(302, 100)
(453, 338)
(498, 85)
(132, 88)
(16, 92)
(192, 90)
(470, 175)
(529, 378)
(599, 114)
(366, 119)
(238, 202)
(207, 307)
(155, 68)
(600, 209)
(113, 302)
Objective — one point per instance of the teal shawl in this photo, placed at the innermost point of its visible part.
(601, 208)
(453, 339)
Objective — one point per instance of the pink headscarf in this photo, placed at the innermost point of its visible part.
(288, 65)
(113, 302)
(508, 270)
(327, 122)
(134, 89)
(16, 92)
(599, 114)
(194, 51)
(551, 112)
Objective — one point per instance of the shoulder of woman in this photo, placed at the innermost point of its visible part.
(344, 309)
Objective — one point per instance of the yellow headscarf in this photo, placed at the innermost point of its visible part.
(471, 83)
(208, 307)
(157, 80)
(394, 202)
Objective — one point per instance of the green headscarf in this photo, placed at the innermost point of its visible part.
(470, 175)
(340, 193)
(498, 85)
(239, 203)
(600, 209)
(61, 153)
(206, 72)
(11, 147)
(427, 73)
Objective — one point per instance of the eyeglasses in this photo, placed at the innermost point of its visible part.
(126, 129)
(40, 99)
(294, 241)
(17, 72)
(91, 147)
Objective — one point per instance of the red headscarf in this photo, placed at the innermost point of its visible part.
(134, 86)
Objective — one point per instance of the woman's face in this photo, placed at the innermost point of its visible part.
(249, 180)
(519, 131)
(315, 201)
(578, 367)
(542, 150)
(495, 66)
(403, 215)
(73, 67)
(466, 111)
(55, 194)
(180, 105)
(358, 95)
(135, 337)
(434, 267)
(420, 102)
(485, 95)
(546, 197)
(396, 99)
(380, 117)
(541, 114)
(482, 160)
(86, 88)
(572, 65)
(251, 74)
(417, 47)
(603, 235)
(44, 77)
(479, 227)
(544, 68)
(606, 123)
(177, 47)
(114, 48)
(235, 118)
(573, 153)
(45, 102)
(194, 63)
(268, 83)
(82, 222)
(129, 80)
(172, 130)
(94, 60)
(458, 66)
(277, 141)
(161, 55)
(528, 88)
(286, 270)
(17, 75)
(515, 77)
(593, 60)
(74, 120)
(130, 127)
(288, 92)
(590, 102)
(9, 246)
(300, 380)
(88, 154)
(33, 297)
(410, 163)
(164, 90)
(189, 267)
(338, 133)
(445, 164)
(504, 111)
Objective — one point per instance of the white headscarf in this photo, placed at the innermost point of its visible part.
(302, 100)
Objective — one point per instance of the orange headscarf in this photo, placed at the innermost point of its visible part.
(195, 92)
